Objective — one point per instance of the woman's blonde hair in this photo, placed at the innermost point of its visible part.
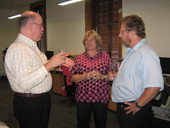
(95, 35)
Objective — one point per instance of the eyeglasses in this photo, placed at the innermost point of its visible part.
(41, 25)
(126, 30)
(123, 31)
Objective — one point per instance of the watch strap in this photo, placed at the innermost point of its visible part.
(137, 104)
(104, 77)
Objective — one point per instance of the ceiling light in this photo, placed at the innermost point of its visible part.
(15, 16)
(68, 2)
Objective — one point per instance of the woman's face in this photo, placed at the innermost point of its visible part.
(90, 44)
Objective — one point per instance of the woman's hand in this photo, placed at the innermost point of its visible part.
(88, 75)
(68, 63)
(96, 75)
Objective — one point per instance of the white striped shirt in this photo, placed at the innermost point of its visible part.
(24, 66)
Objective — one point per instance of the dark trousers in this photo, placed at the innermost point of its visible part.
(141, 119)
(84, 114)
(32, 112)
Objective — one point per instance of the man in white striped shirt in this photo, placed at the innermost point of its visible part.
(28, 72)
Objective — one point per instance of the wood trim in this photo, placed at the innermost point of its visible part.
(37, 4)
(97, 24)
(33, 7)
(120, 18)
(88, 15)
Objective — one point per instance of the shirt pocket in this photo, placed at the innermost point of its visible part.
(126, 68)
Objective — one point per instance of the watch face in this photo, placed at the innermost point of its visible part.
(137, 104)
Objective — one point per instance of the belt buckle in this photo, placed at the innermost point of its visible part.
(121, 105)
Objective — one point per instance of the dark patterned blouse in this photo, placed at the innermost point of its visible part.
(92, 90)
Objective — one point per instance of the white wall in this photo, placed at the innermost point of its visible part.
(67, 35)
(65, 27)
(70, 32)
(8, 32)
(4, 14)
(157, 24)
(7, 36)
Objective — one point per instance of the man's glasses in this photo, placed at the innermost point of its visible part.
(41, 25)
(125, 30)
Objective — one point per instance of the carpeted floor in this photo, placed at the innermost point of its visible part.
(61, 115)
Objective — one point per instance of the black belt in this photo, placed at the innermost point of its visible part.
(32, 95)
(124, 105)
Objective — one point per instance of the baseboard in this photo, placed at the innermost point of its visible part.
(2, 73)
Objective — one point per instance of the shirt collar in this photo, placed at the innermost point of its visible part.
(27, 41)
(138, 45)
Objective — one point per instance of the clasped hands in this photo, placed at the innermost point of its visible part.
(96, 75)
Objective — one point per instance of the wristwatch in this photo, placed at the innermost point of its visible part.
(104, 77)
(137, 105)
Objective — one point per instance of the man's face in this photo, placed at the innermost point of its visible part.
(124, 35)
(37, 29)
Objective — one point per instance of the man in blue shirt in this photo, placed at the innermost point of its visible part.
(139, 78)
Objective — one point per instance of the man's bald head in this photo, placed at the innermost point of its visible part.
(26, 17)
(31, 25)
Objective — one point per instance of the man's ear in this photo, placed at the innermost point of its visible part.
(132, 33)
(29, 26)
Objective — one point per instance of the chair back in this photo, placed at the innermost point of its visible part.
(68, 88)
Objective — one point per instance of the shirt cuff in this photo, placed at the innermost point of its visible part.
(44, 71)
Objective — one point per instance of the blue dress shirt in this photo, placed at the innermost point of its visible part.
(140, 69)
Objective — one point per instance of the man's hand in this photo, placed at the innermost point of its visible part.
(131, 108)
(55, 61)
(112, 76)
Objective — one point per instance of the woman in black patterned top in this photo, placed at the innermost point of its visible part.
(90, 74)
